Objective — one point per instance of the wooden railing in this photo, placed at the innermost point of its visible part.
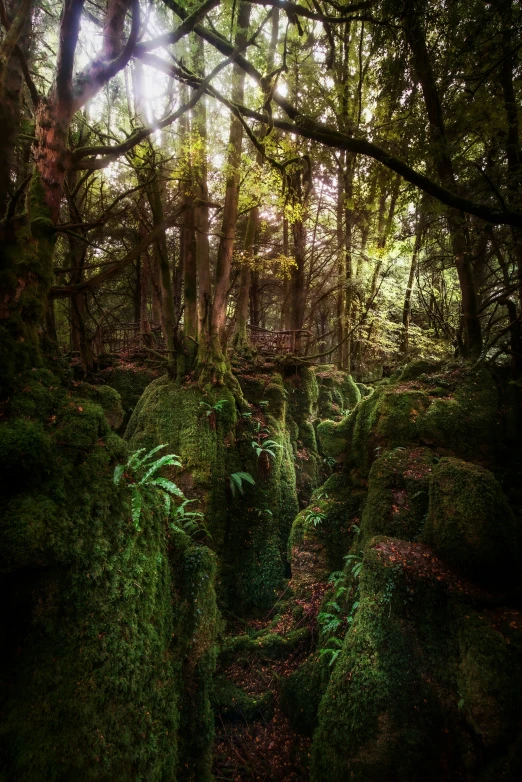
(127, 338)
(296, 341)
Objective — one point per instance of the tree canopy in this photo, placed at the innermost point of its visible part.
(347, 172)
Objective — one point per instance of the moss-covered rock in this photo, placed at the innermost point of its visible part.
(323, 533)
(338, 392)
(232, 703)
(98, 670)
(214, 440)
(130, 381)
(412, 694)
(470, 523)
(334, 437)
(301, 693)
(415, 369)
(398, 488)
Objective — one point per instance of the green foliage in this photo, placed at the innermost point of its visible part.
(217, 407)
(237, 479)
(315, 516)
(265, 447)
(140, 477)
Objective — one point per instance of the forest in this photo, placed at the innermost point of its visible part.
(260, 390)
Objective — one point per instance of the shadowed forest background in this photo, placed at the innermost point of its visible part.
(260, 390)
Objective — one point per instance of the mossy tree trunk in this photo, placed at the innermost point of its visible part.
(28, 241)
(17, 22)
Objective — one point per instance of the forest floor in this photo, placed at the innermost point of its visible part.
(265, 748)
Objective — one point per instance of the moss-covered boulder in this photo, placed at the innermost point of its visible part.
(413, 694)
(107, 628)
(456, 411)
(398, 489)
(470, 524)
(130, 381)
(216, 437)
(338, 392)
(335, 437)
(301, 693)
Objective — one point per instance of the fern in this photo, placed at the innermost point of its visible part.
(266, 446)
(139, 473)
(237, 479)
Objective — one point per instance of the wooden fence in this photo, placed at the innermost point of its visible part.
(126, 338)
(295, 341)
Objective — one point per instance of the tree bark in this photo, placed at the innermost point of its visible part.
(228, 228)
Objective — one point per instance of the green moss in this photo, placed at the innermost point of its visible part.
(335, 438)
(371, 709)
(268, 646)
(466, 422)
(422, 680)
(397, 501)
(249, 533)
(364, 389)
(130, 382)
(107, 398)
(232, 703)
(397, 414)
(470, 524)
(323, 533)
(338, 392)
(489, 676)
(26, 454)
(109, 632)
(301, 693)
(416, 369)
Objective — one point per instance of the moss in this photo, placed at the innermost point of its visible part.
(466, 421)
(364, 390)
(422, 683)
(26, 454)
(416, 369)
(269, 646)
(130, 381)
(197, 624)
(338, 392)
(334, 438)
(232, 703)
(249, 533)
(470, 524)
(397, 415)
(108, 399)
(301, 693)
(96, 665)
(489, 676)
(372, 706)
(397, 501)
(323, 533)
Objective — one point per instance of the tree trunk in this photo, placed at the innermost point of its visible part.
(11, 84)
(241, 336)
(228, 228)
(201, 211)
(456, 220)
(406, 309)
